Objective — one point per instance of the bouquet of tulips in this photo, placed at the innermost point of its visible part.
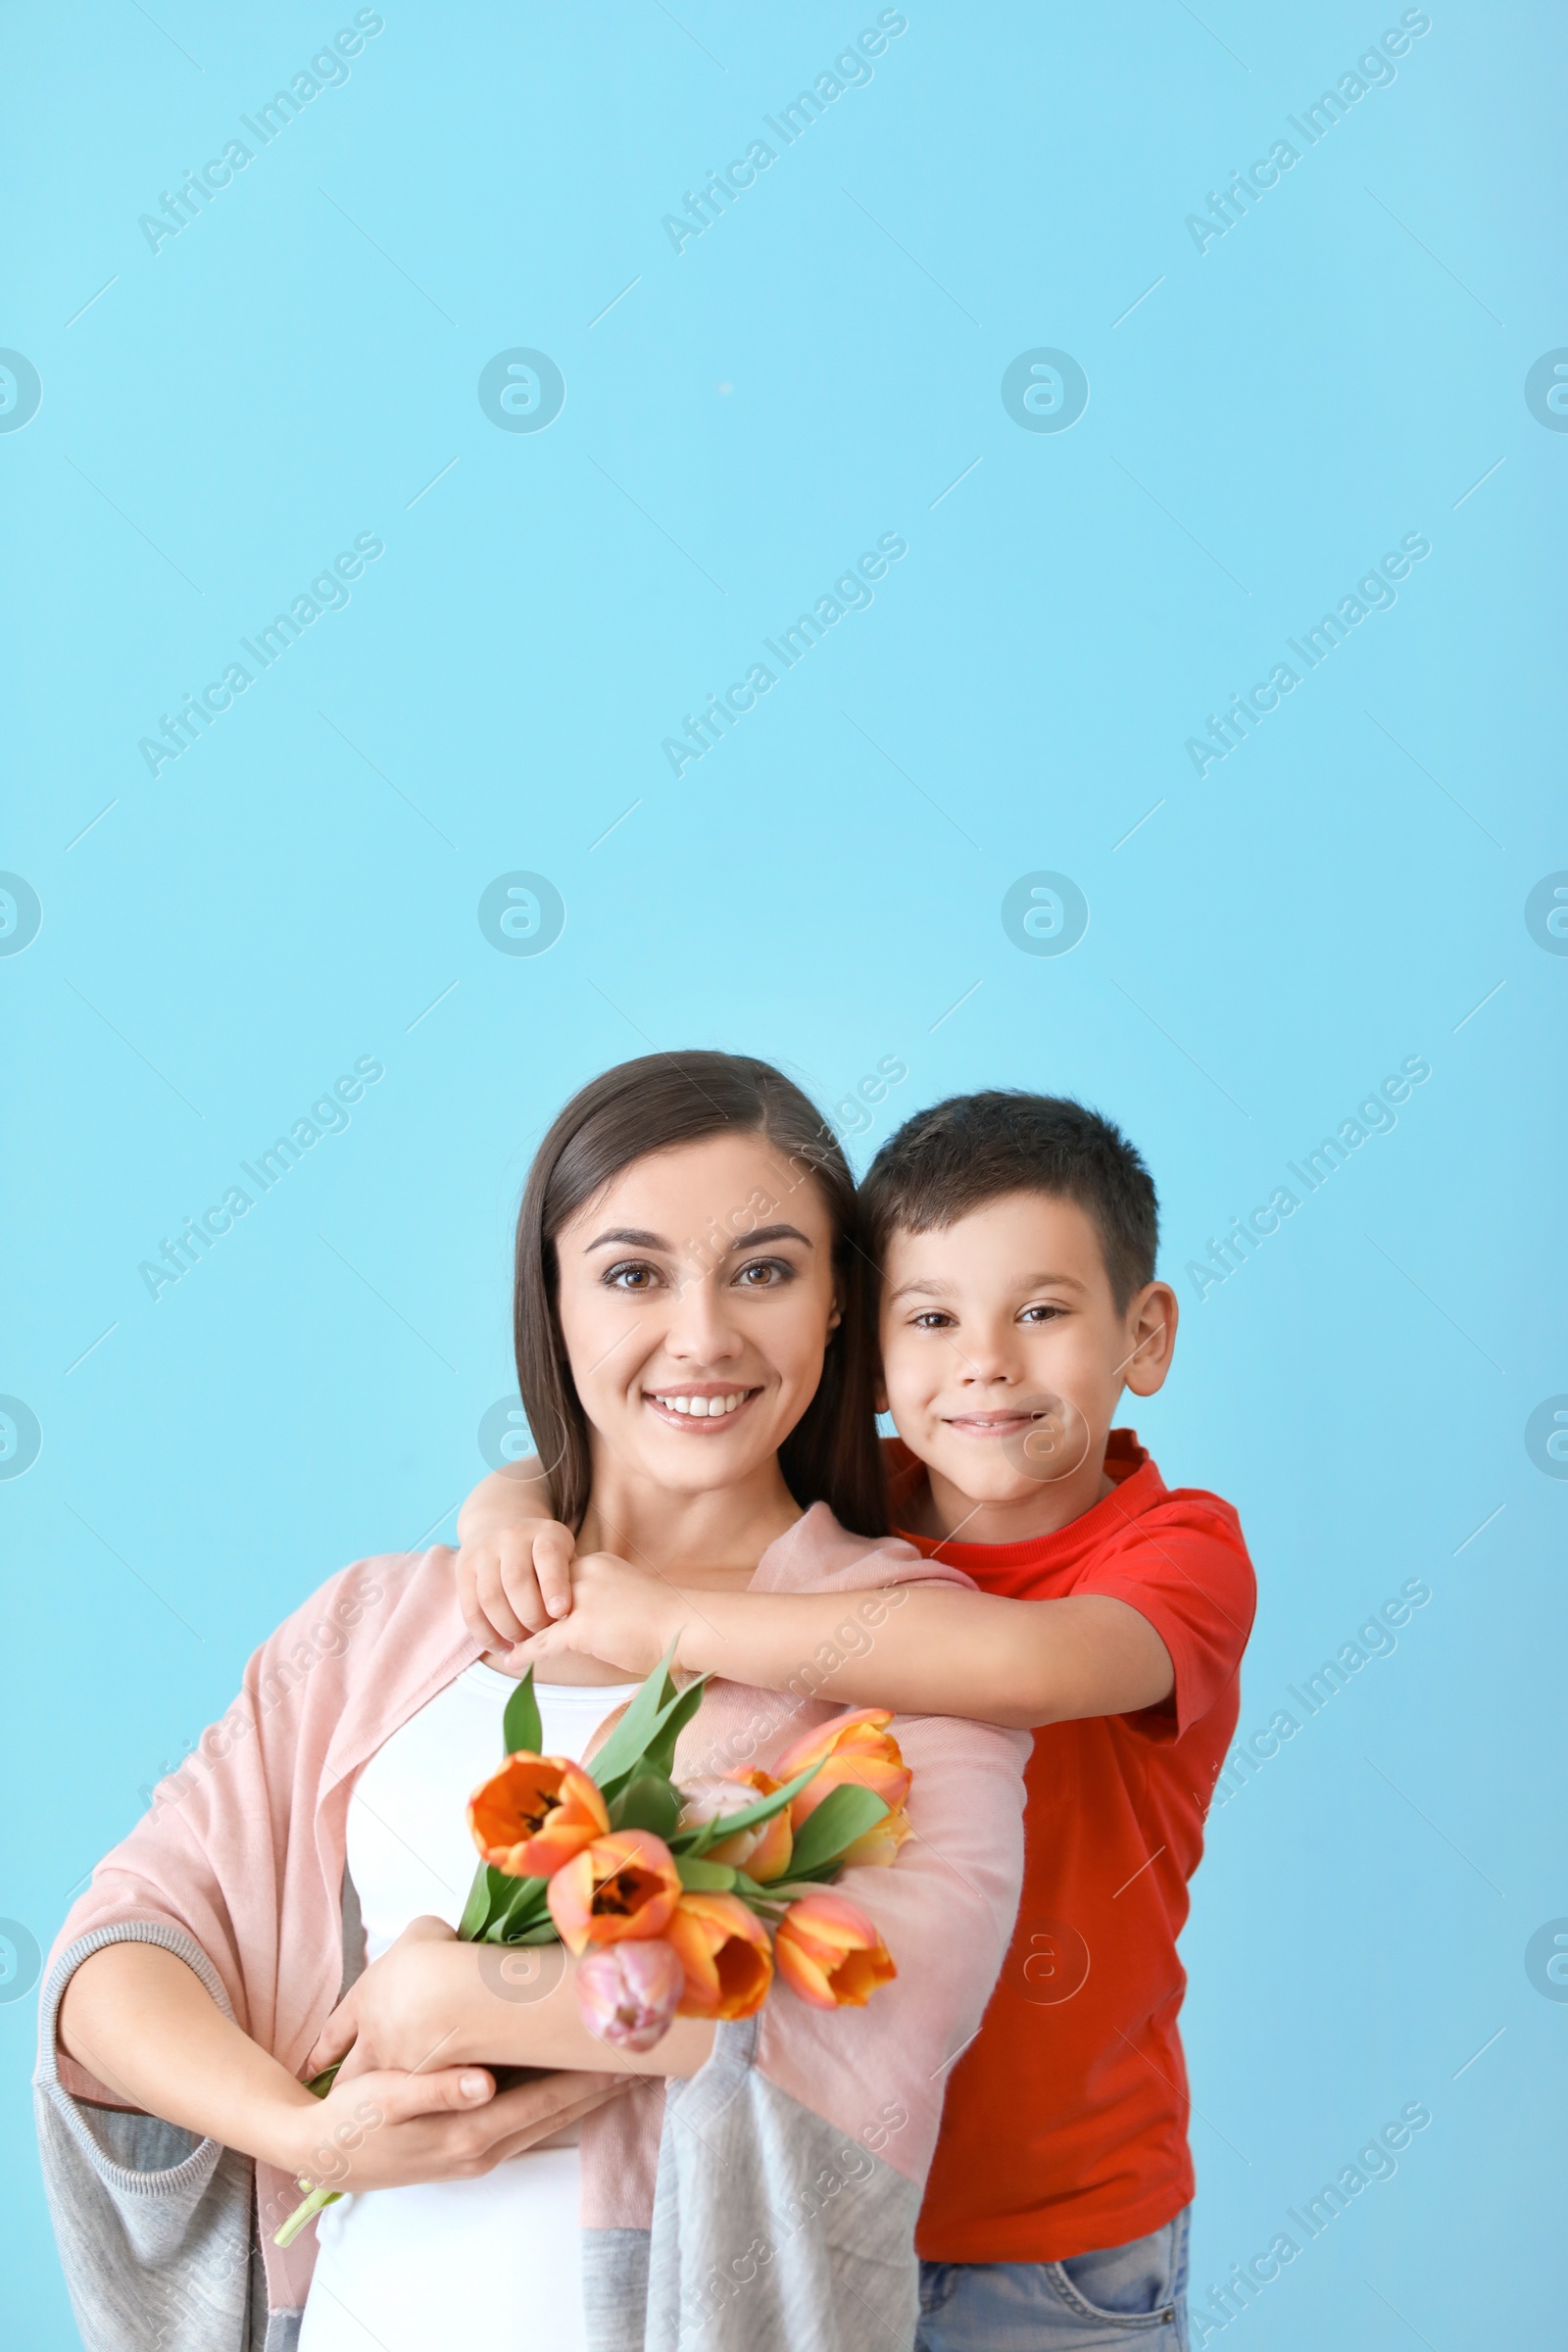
(681, 1901)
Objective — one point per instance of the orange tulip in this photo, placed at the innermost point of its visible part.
(622, 1884)
(724, 1950)
(881, 1842)
(763, 1852)
(856, 1750)
(830, 1954)
(534, 1814)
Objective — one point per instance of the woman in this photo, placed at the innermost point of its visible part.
(693, 1352)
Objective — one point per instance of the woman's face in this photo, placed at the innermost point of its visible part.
(697, 1295)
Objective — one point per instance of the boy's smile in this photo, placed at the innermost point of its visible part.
(1004, 1355)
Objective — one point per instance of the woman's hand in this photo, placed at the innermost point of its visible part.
(622, 1616)
(514, 1563)
(385, 2129)
(145, 2025)
(387, 2119)
(374, 2022)
(433, 2002)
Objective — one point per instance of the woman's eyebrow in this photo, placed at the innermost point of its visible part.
(633, 1237)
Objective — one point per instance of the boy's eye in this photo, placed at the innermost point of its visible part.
(632, 1274)
(931, 1318)
(764, 1274)
(1040, 1314)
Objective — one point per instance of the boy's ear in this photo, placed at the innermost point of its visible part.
(1152, 1320)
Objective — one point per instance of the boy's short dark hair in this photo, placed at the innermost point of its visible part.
(958, 1154)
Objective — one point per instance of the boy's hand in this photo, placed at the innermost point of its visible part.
(514, 1566)
(622, 1616)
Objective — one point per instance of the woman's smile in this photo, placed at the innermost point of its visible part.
(699, 1408)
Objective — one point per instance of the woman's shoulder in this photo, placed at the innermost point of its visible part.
(819, 1551)
(384, 1621)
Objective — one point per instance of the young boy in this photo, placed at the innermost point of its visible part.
(1016, 1237)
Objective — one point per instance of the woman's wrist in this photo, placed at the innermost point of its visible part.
(285, 2132)
(431, 2016)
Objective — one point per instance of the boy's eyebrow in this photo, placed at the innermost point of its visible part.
(932, 1289)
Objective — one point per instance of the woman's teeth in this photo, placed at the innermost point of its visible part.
(703, 1408)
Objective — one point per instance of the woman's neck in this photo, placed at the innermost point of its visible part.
(714, 1539)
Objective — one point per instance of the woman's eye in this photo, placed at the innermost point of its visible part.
(632, 1276)
(764, 1273)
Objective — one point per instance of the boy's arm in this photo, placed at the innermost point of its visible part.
(920, 1650)
(514, 1565)
(938, 1651)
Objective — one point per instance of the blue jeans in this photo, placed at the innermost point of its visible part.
(1126, 2297)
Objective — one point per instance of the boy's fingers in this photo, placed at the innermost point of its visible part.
(518, 1577)
(550, 1642)
(502, 1619)
(473, 1617)
(554, 1549)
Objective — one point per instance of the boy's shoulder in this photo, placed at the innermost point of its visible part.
(1141, 1531)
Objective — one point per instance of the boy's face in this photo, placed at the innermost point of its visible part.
(1004, 1356)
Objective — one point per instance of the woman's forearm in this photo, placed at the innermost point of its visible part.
(137, 2018)
(456, 1999)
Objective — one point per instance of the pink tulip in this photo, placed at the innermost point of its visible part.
(628, 1992)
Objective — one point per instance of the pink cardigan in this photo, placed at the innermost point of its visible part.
(243, 1851)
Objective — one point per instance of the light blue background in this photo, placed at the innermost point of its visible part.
(825, 886)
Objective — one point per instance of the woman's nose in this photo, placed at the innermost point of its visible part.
(700, 1327)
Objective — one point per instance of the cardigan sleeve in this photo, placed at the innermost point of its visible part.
(153, 2224)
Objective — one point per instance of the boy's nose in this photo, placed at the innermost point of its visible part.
(986, 1361)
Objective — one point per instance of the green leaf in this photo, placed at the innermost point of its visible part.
(628, 1740)
(705, 1877)
(483, 1895)
(544, 1931)
(647, 1802)
(518, 1907)
(521, 1727)
(749, 1817)
(845, 1814)
(660, 1752)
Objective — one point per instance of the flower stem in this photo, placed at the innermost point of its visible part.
(306, 2211)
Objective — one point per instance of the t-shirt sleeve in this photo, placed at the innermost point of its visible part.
(1184, 1568)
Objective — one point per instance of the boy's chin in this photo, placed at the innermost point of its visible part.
(993, 1479)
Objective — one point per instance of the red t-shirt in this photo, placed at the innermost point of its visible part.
(1066, 2124)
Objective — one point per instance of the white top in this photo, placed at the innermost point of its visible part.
(401, 2268)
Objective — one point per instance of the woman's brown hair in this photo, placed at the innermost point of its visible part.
(653, 1105)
